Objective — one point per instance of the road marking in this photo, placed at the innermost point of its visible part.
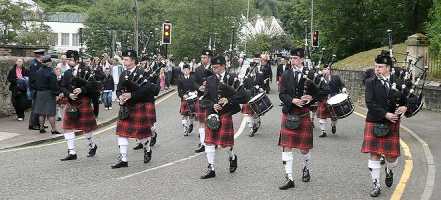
(161, 99)
(408, 166)
(236, 135)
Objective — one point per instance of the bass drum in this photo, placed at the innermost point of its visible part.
(260, 104)
(340, 106)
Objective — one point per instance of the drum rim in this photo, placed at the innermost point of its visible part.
(343, 116)
(333, 97)
(258, 96)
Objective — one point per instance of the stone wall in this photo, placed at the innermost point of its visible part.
(354, 83)
(19, 50)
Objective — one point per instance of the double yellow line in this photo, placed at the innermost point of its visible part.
(408, 166)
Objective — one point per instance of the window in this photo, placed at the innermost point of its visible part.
(65, 39)
(75, 39)
(53, 40)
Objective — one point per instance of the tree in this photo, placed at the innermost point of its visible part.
(434, 29)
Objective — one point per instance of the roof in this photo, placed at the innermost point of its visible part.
(66, 17)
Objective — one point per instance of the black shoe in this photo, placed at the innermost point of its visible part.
(312, 124)
(190, 128)
(55, 132)
(42, 130)
(251, 134)
(92, 151)
(200, 149)
(233, 164)
(58, 118)
(120, 164)
(289, 184)
(323, 134)
(138, 147)
(209, 174)
(306, 177)
(69, 157)
(334, 129)
(153, 142)
(45, 126)
(389, 178)
(255, 129)
(36, 128)
(147, 156)
(375, 190)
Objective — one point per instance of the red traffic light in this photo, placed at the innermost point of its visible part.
(166, 33)
(315, 38)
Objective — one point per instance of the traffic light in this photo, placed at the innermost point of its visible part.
(315, 39)
(166, 33)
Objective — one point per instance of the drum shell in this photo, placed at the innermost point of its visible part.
(342, 109)
(260, 105)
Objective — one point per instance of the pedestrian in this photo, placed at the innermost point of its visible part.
(117, 69)
(162, 78)
(63, 66)
(108, 88)
(44, 82)
(35, 65)
(18, 79)
(187, 87)
(60, 98)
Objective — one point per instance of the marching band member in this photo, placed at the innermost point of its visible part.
(381, 131)
(225, 103)
(250, 85)
(138, 102)
(333, 85)
(202, 72)
(280, 69)
(78, 113)
(297, 94)
(186, 85)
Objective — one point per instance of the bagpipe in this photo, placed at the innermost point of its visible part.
(131, 83)
(404, 81)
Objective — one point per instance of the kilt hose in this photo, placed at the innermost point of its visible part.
(246, 110)
(302, 137)
(138, 125)
(86, 121)
(388, 145)
(323, 111)
(223, 137)
(201, 114)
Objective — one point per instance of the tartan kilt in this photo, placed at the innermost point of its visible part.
(302, 138)
(138, 125)
(388, 145)
(246, 109)
(184, 110)
(323, 111)
(224, 137)
(62, 101)
(86, 121)
(201, 114)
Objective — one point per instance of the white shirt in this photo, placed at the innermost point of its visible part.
(221, 77)
(115, 73)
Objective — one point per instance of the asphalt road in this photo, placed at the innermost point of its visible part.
(339, 170)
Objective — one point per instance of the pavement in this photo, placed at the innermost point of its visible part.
(339, 170)
(15, 133)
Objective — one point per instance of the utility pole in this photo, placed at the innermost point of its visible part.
(312, 19)
(248, 15)
(136, 26)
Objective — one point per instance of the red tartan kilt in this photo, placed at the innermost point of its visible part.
(184, 110)
(224, 137)
(141, 118)
(323, 111)
(302, 138)
(388, 145)
(201, 114)
(62, 101)
(86, 121)
(246, 109)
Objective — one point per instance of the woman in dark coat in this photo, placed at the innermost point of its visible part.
(17, 77)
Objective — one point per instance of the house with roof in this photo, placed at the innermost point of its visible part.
(65, 28)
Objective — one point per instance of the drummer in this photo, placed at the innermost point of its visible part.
(333, 85)
(186, 87)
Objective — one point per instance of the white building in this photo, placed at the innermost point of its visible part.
(65, 27)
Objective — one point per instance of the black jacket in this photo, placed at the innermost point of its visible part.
(141, 93)
(291, 88)
(379, 101)
(280, 70)
(331, 88)
(12, 78)
(108, 83)
(44, 79)
(186, 85)
(216, 90)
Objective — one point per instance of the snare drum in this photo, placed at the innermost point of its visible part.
(260, 104)
(340, 106)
